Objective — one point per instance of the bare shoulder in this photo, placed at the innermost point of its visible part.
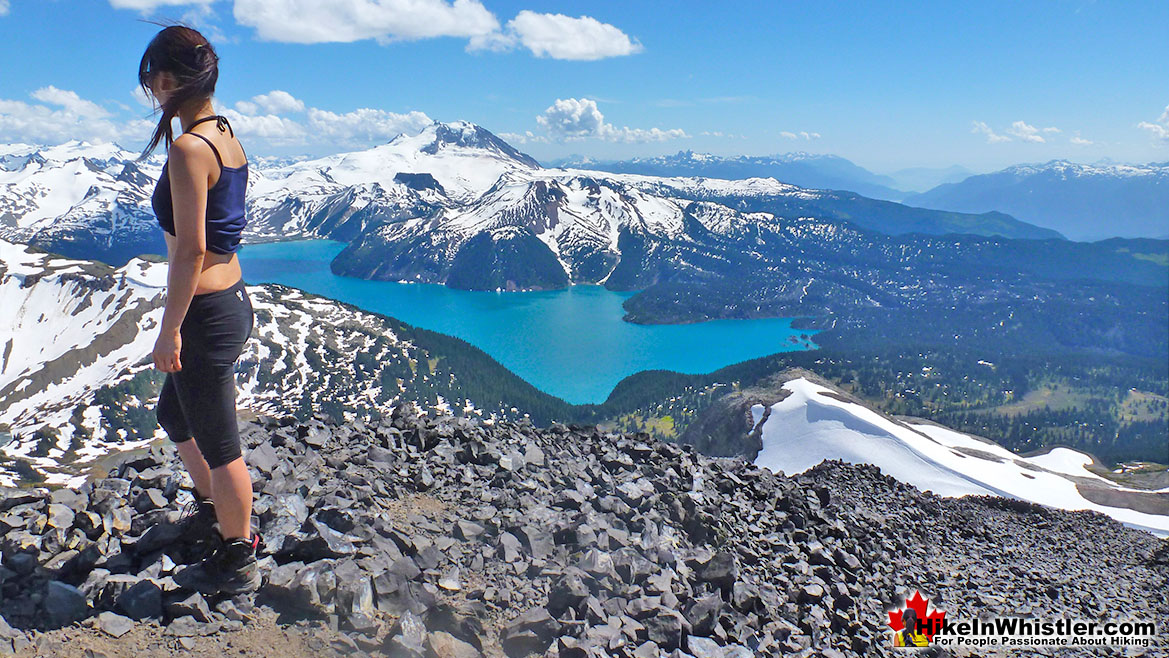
(188, 154)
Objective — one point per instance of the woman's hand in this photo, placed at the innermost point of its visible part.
(166, 351)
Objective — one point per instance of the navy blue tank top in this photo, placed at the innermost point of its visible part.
(225, 199)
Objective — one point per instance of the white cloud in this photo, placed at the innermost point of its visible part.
(523, 138)
(1159, 129)
(573, 119)
(803, 134)
(3, 7)
(559, 37)
(570, 117)
(261, 117)
(363, 125)
(64, 116)
(273, 102)
(386, 21)
(1026, 132)
(276, 130)
(991, 136)
(1052, 129)
(142, 98)
(1080, 141)
(71, 102)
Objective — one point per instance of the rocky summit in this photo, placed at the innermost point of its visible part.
(451, 537)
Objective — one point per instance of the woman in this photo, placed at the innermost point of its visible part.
(199, 202)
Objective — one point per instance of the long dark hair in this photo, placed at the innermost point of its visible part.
(187, 55)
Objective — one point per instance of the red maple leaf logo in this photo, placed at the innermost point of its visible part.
(931, 621)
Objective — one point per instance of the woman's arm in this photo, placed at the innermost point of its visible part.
(188, 184)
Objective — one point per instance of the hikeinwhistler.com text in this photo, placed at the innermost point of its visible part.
(1032, 632)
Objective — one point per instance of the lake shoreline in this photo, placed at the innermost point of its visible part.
(572, 343)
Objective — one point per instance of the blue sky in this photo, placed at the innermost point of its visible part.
(885, 84)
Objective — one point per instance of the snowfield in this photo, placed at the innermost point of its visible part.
(813, 424)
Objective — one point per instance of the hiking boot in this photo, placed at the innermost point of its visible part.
(196, 529)
(197, 519)
(231, 569)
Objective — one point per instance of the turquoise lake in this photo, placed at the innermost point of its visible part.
(570, 343)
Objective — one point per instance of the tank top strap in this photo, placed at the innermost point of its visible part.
(213, 149)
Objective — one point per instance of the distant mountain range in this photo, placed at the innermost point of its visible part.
(1080, 201)
(816, 171)
(93, 201)
(1083, 202)
(811, 170)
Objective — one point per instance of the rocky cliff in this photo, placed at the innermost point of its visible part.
(452, 537)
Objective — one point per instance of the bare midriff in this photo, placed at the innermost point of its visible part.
(220, 271)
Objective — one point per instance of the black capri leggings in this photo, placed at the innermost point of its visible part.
(199, 401)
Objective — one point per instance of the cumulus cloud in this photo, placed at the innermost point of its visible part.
(3, 7)
(1160, 128)
(572, 119)
(559, 37)
(991, 136)
(523, 138)
(273, 102)
(71, 102)
(276, 130)
(62, 115)
(386, 21)
(803, 134)
(1080, 141)
(364, 125)
(1026, 132)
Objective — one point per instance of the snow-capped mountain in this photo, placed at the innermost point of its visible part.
(79, 199)
(77, 380)
(1082, 201)
(411, 176)
(535, 230)
(93, 200)
(814, 423)
(813, 170)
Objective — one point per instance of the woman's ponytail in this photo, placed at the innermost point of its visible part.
(187, 55)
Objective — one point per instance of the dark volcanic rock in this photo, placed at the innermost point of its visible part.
(423, 537)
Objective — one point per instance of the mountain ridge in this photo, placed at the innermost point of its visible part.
(92, 200)
(1083, 201)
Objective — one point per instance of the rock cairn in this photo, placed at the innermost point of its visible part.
(449, 537)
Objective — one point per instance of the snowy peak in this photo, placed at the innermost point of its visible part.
(807, 170)
(466, 135)
(1082, 201)
(814, 423)
(1068, 169)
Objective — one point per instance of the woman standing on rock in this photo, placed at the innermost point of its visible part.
(199, 202)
